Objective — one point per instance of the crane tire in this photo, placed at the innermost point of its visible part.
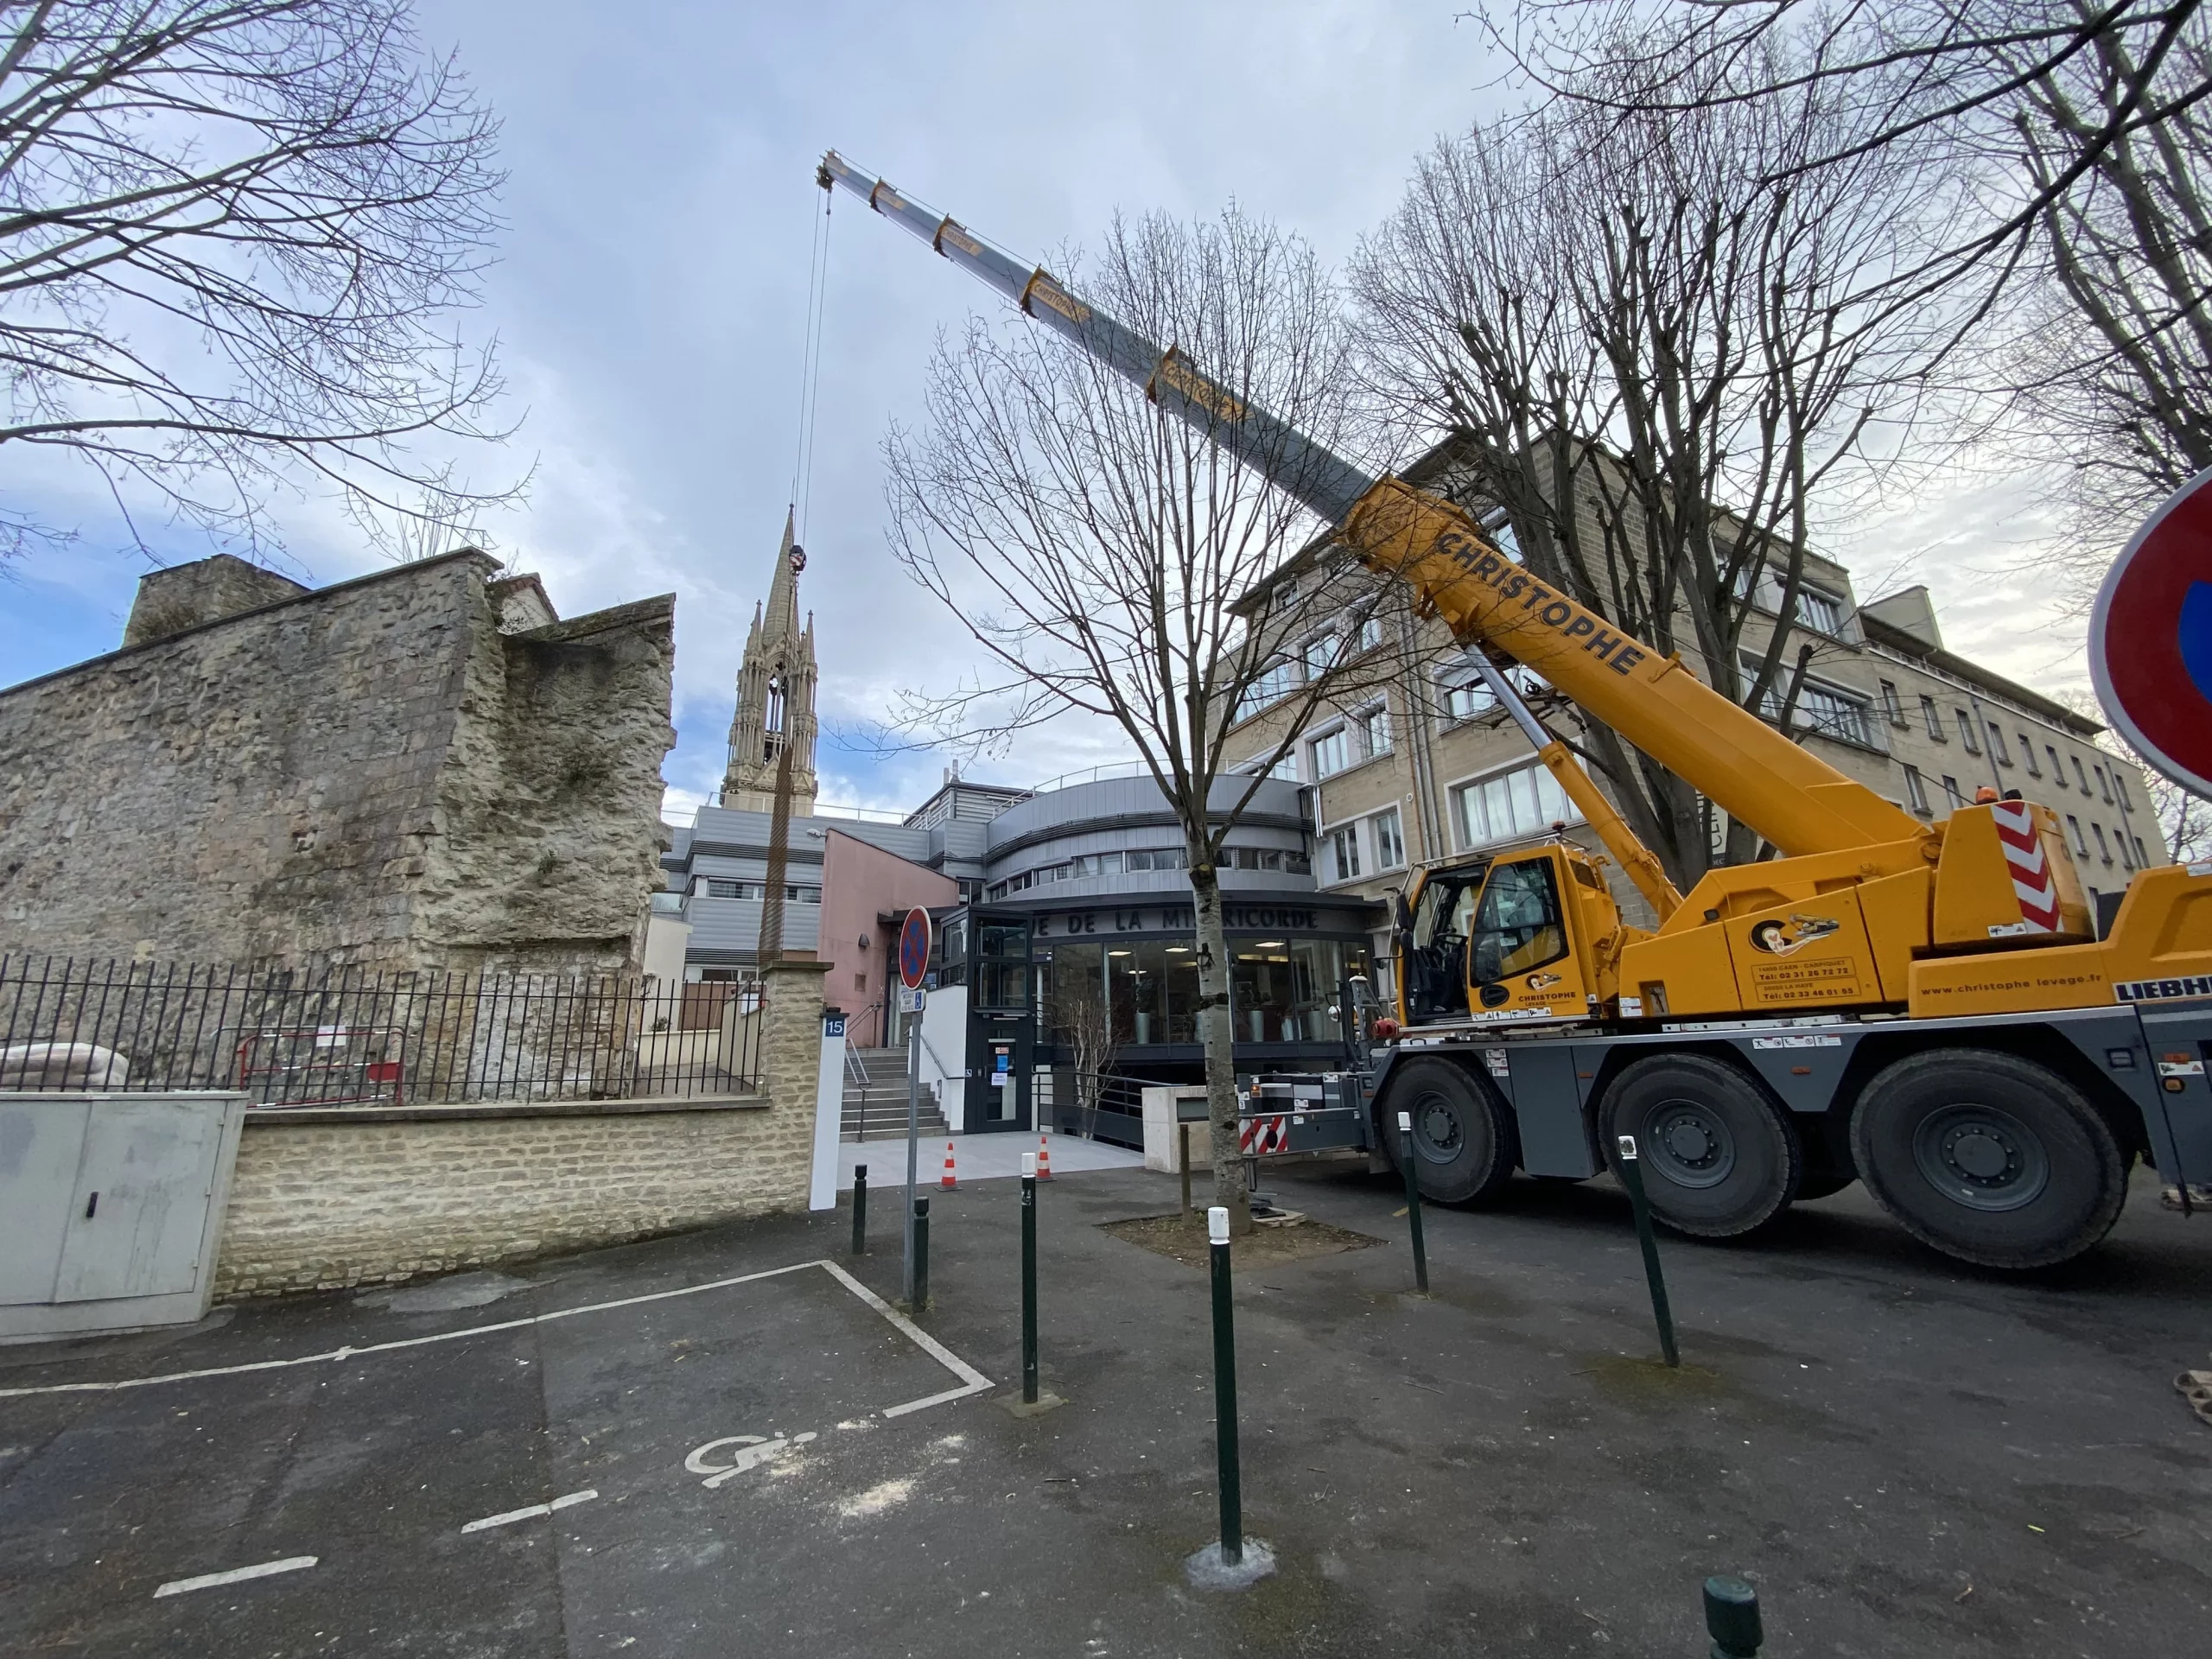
(1989, 1157)
(1464, 1143)
(1719, 1157)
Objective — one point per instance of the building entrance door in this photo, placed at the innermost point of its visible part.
(1001, 1024)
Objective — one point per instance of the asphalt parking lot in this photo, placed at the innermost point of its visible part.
(1906, 1456)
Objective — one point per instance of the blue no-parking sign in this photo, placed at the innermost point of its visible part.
(914, 949)
(2150, 638)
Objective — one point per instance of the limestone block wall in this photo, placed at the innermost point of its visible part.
(372, 773)
(324, 1199)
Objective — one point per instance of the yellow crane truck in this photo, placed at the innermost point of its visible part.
(1926, 1008)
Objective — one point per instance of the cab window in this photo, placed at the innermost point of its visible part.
(1436, 967)
(1517, 926)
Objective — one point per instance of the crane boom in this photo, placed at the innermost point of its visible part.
(1758, 776)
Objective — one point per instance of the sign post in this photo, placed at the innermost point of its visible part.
(2150, 638)
(913, 968)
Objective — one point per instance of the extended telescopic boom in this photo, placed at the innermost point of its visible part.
(1759, 777)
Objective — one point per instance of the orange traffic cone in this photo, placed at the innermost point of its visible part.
(949, 1183)
(1045, 1155)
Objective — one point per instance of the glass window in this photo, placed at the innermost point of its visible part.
(1375, 729)
(2079, 776)
(1915, 790)
(1997, 746)
(1001, 975)
(1343, 853)
(2121, 835)
(2028, 755)
(1389, 844)
(1893, 705)
(2104, 789)
(1271, 685)
(1498, 524)
(1296, 864)
(1932, 719)
(2140, 861)
(1526, 801)
(2058, 768)
(1331, 752)
(1071, 1001)
(1465, 701)
(720, 889)
(2103, 851)
(1284, 990)
(1818, 610)
(1156, 858)
(1285, 768)
(1951, 789)
(1319, 655)
(668, 904)
(1287, 592)
(2080, 845)
(1370, 632)
(1965, 731)
(2120, 789)
(1517, 925)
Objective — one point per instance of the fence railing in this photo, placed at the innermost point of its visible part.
(344, 1037)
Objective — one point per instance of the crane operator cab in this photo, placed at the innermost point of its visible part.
(1511, 937)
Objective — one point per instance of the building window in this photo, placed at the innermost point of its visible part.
(1828, 710)
(1965, 731)
(2079, 776)
(1932, 719)
(1286, 766)
(1331, 752)
(1465, 701)
(802, 895)
(1287, 593)
(1819, 610)
(668, 904)
(1526, 801)
(1498, 524)
(2127, 861)
(2104, 789)
(1370, 633)
(1271, 685)
(1343, 853)
(1158, 858)
(1892, 704)
(1997, 747)
(2028, 754)
(1375, 729)
(2142, 863)
(1317, 656)
(2057, 767)
(1915, 790)
(2081, 845)
(1951, 789)
(719, 889)
(2120, 789)
(1390, 843)
(2103, 851)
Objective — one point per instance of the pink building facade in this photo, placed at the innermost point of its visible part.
(861, 884)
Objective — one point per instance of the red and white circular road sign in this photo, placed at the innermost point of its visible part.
(2150, 638)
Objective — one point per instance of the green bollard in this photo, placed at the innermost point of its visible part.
(1224, 1390)
(1028, 1278)
(1412, 1199)
(1731, 1618)
(1632, 1178)
(860, 1209)
(921, 1256)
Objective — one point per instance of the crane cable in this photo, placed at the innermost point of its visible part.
(810, 367)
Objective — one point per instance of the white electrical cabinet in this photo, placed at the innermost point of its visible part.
(111, 1208)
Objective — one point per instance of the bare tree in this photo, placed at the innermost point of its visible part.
(2083, 244)
(1662, 368)
(1080, 1019)
(1093, 544)
(230, 233)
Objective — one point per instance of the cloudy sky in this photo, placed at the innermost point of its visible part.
(651, 292)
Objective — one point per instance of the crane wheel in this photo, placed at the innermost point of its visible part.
(1719, 1157)
(1988, 1157)
(1464, 1143)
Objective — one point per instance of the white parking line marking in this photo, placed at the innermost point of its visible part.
(567, 1500)
(972, 1381)
(237, 1574)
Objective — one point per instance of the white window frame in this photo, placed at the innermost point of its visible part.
(1338, 734)
(1456, 795)
(1344, 848)
(1395, 859)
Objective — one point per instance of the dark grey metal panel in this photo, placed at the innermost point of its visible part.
(1547, 1098)
(2179, 1044)
(41, 1143)
(1805, 1068)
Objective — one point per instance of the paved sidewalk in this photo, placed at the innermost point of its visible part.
(976, 1158)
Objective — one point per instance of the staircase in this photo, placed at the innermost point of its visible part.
(875, 1096)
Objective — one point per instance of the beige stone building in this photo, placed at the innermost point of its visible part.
(1414, 760)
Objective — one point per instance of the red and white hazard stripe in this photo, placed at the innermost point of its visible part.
(1257, 1137)
(2032, 881)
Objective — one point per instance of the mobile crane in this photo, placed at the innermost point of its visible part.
(1924, 1007)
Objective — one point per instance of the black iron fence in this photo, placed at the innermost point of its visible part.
(346, 1037)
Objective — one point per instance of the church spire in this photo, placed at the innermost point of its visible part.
(775, 696)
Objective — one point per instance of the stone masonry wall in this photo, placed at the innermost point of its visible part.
(330, 1199)
(367, 774)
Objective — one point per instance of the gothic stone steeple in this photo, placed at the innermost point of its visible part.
(775, 699)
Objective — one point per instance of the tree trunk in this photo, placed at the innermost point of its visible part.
(1218, 1034)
